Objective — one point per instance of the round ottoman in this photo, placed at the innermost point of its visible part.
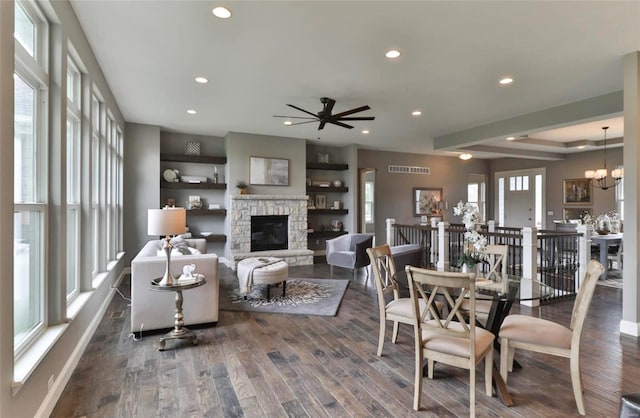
(262, 270)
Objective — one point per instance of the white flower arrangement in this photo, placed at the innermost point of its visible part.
(477, 243)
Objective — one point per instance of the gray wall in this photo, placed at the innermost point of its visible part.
(556, 171)
(394, 192)
(141, 183)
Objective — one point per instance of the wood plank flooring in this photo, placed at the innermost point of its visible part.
(271, 365)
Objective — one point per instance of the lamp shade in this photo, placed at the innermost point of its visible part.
(167, 221)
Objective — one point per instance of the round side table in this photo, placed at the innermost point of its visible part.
(179, 332)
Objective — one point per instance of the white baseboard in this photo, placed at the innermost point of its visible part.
(630, 328)
(49, 402)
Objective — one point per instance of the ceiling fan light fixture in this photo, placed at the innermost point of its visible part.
(221, 12)
(505, 81)
(465, 156)
(392, 54)
(288, 122)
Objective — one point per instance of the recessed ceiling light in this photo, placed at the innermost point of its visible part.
(465, 156)
(511, 138)
(201, 80)
(365, 131)
(416, 113)
(392, 53)
(221, 12)
(506, 81)
(191, 112)
(287, 122)
(580, 146)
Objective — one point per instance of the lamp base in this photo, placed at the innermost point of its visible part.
(168, 279)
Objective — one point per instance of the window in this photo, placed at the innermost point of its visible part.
(476, 194)
(73, 168)
(30, 169)
(518, 183)
(620, 198)
(95, 184)
(368, 202)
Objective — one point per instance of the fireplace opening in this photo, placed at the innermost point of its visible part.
(269, 233)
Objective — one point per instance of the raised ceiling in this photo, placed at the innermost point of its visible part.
(269, 54)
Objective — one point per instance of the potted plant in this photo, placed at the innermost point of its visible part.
(242, 186)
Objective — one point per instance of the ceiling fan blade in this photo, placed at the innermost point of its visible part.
(349, 112)
(358, 118)
(335, 122)
(302, 110)
(302, 123)
(293, 117)
(321, 126)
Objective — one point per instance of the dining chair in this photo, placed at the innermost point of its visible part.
(548, 337)
(399, 310)
(615, 254)
(447, 337)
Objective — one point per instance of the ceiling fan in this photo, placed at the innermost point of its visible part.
(324, 116)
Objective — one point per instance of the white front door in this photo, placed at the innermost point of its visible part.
(520, 198)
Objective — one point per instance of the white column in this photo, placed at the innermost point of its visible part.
(434, 238)
(529, 266)
(630, 323)
(491, 226)
(443, 247)
(391, 222)
(584, 250)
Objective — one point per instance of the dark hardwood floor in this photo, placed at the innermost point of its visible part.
(271, 365)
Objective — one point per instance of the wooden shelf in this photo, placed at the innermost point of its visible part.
(212, 238)
(193, 158)
(183, 185)
(325, 234)
(212, 212)
(318, 189)
(326, 166)
(327, 211)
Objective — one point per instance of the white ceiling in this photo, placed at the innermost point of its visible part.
(270, 53)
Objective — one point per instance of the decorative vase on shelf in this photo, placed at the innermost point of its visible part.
(603, 224)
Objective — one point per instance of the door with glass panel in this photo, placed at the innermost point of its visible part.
(520, 198)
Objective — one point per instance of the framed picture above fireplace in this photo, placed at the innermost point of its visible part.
(269, 171)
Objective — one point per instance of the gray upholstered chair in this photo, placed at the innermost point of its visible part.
(349, 251)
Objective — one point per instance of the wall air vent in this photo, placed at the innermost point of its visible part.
(407, 169)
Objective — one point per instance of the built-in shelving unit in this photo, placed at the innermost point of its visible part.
(184, 162)
(318, 217)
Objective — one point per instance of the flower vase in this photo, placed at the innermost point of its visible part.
(470, 269)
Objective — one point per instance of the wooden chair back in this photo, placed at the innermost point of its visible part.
(497, 258)
(583, 299)
(384, 272)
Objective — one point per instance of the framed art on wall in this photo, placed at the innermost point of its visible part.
(426, 201)
(269, 171)
(577, 191)
(321, 201)
(575, 213)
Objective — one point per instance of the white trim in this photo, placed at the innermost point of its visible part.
(630, 328)
(49, 402)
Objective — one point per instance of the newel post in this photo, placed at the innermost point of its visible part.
(391, 222)
(584, 252)
(443, 247)
(434, 239)
(529, 266)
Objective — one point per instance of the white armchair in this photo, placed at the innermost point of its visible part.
(349, 251)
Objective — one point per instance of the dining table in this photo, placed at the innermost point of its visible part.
(604, 242)
(503, 296)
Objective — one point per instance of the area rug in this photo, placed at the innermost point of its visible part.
(320, 297)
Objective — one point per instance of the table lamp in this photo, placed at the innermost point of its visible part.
(167, 221)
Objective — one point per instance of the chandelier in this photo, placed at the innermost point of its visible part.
(598, 177)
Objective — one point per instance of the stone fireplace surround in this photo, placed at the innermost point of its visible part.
(247, 205)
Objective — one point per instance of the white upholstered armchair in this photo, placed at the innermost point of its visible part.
(349, 251)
